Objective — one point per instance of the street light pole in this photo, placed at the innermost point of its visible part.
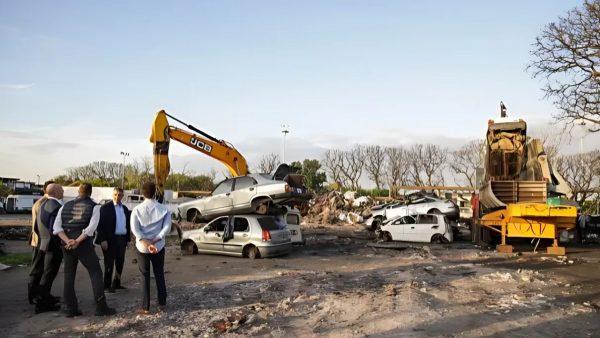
(38, 181)
(124, 154)
(285, 129)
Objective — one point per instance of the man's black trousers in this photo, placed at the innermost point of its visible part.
(114, 259)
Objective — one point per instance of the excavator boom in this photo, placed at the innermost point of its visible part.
(163, 132)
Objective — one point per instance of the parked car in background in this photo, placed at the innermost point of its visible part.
(293, 219)
(428, 228)
(251, 236)
(253, 193)
(417, 206)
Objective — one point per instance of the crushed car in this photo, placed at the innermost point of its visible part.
(253, 193)
(418, 204)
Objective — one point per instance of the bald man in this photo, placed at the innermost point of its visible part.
(37, 257)
(50, 245)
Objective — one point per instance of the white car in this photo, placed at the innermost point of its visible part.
(428, 228)
(251, 236)
(253, 193)
(417, 206)
(293, 219)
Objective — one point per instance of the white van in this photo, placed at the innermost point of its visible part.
(20, 203)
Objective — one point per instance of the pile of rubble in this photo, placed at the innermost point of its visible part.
(335, 207)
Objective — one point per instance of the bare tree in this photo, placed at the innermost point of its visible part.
(582, 172)
(465, 161)
(567, 56)
(396, 168)
(551, 140)
(353, 164)
(333, 162)
(375, 162)
(427, 162)
(268, 163)
(345, 167)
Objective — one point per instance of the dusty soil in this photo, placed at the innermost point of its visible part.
(337, 286)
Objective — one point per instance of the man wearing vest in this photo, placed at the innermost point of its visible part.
(113, 236)
(76, 224)
(50, 246)
(37, 259)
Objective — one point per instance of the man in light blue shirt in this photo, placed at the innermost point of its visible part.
(113, 236)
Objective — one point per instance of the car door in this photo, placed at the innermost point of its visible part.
(243, 191)
(396, 229)
(220, 198)
(212, 236)
(241, 235)
(408, 228)
(426, 226)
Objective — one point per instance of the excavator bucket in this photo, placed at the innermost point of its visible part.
(160, 139)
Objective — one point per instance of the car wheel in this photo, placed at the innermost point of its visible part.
(376, 224)
(386, 236)
(194, 216)
(261, 207)
(252, 252)
(189, 248)
(438, 239)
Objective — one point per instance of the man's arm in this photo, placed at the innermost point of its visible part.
(101, 230)
(91, 228)
(57, 229)
(166, 228)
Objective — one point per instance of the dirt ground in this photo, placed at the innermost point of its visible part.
(337, 286)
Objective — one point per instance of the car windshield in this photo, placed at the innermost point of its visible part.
(292, 219)
(223, 188)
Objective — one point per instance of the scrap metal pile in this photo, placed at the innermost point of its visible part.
(335, 207)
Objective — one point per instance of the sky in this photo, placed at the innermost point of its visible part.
(81, 80)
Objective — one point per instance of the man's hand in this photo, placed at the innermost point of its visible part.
(104, 245)
(70, 243)
(146, 243)
(152, 248)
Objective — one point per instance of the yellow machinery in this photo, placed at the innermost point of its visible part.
(514, 196)
(531, 220)
(220, 150)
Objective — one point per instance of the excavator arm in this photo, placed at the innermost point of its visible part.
(163, 132)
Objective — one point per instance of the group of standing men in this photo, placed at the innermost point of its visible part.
(68, 233)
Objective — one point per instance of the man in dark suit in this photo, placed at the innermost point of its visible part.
(113, 235)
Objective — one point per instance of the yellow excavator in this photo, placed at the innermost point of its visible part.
(163, 132)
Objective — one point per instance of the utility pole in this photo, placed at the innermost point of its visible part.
(124, 154)
(285, 129)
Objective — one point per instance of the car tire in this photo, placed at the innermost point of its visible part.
(194, 216)
(251, 252)
(386, 236)
(189, 248)
(439, 239)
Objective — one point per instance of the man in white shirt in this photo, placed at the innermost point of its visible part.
(75, 225)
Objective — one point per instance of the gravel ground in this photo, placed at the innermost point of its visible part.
(337, 286)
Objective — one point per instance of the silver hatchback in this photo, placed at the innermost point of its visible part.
(252, 236)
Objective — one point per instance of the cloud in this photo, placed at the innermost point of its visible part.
(17, 86)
